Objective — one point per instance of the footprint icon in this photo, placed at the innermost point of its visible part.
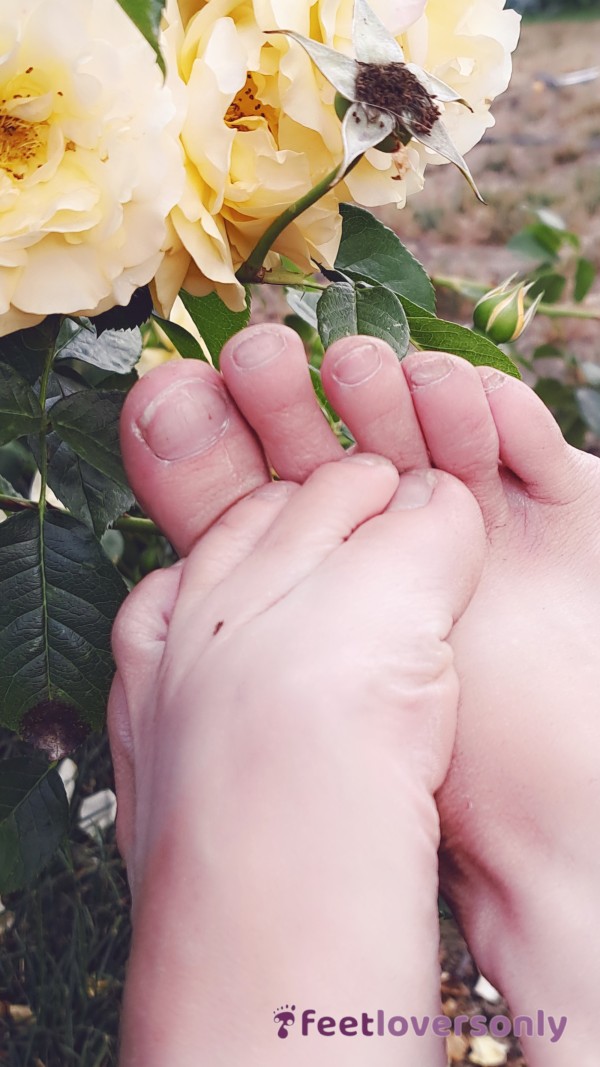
(285, 1017)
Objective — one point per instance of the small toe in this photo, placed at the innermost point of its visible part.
(457, 425)
(266, 372)
(530, 441)
(363, 379)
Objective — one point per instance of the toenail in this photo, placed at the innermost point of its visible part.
(184, 420)
(357, 366)
(415, 490)
(491, 379)
(261, 347)
(369, 459)
(424, 370)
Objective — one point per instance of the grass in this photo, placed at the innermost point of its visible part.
(64, 944)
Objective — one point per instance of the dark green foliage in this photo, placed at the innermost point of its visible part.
(34, 816)
(65, 941)
(59, 595)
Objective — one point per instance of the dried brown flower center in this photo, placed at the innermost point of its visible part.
(395, 88)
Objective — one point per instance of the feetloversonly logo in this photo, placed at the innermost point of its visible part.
(379, 1024)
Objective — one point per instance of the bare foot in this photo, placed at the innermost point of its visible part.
(520, 808)
(283, 712)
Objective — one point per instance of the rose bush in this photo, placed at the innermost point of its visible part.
(90, 162)
(260, 128)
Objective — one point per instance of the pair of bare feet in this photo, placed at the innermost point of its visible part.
(287, 708)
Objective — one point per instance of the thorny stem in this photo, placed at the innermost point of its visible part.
(468, 288)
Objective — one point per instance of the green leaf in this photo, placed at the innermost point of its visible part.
(90, 495)
(183, 341)
(585, 277)
(428, 332)
(371, 252)
(527, 244)
(346, 310)
(551, 286)
(26, 350)
(214, 321)
(542, 241)
(20, 410)
(125, 317)
(18, 466)
(89, 422)
(59, 595)
(34, 818)
(146, 15)
(7, 489)
(114, 350)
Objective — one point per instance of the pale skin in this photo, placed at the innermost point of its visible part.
(278, 774)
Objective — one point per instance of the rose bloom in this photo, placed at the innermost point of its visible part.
(90, 159)
(260, 128)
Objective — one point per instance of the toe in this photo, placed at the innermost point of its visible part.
(139, 637)
(188, 452)
(230, 540)
(432, 539)
(312, 523)
(457, 425)
(364, 381)
(531, 443)
(267, 374)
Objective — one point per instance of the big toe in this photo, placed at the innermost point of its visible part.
(188, 452)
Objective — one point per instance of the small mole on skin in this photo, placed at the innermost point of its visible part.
(218, 627)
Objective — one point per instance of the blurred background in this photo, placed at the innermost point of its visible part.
(64, 943)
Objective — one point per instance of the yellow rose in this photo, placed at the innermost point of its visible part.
(260, 128)
(90, 161)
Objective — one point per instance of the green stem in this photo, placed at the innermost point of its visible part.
(252, 270)
(465, 287)
(133, 524)
(292, 278)
(9, 503)
(42, 436)
(127, 523)
(42, 498)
